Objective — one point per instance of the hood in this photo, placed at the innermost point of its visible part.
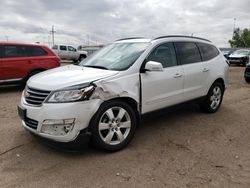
(66, 76)
(237, 55)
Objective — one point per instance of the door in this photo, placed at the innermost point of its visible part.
(73, 55)
(162, 88)
(63, 52)
(194, 69)
(1, 63)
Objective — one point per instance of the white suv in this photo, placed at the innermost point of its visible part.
(105, 95)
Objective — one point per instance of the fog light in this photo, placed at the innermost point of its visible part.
(57, 127)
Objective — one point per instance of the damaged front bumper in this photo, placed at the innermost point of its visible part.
(60, 122)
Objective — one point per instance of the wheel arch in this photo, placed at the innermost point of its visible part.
(83, 55)
(128, 100)
(133, 103)
(32, 71)
(219, 80)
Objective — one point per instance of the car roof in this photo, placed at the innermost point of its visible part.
(165, 38)
(133, 40)
(20, 43)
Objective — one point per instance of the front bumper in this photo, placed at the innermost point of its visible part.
(236, 61)
(81, 112)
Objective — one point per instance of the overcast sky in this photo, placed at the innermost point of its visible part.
(79, 21)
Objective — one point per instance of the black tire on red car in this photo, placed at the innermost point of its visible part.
(31, 74)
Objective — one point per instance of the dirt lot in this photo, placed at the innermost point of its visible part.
(183, 148)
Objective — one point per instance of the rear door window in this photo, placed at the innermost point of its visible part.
(188, 52)
(63, 48)
(207, 51)
(36, 51)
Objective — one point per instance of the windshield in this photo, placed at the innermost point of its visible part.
(241, 52)
(116, 56)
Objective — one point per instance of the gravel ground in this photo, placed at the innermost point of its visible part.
(181, 148)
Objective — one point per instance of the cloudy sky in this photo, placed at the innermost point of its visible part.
(102, 21)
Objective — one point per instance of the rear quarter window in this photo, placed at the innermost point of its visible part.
(207, 51)
(36, 51)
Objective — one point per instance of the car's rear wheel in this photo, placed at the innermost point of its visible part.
(113, 126)
(213, 99)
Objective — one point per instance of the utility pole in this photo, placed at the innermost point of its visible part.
(88, 39)
(52, 32)
(234, 25)
(7, 38)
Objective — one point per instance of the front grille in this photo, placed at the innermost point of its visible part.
(234, 58)
(31, 123)
(35, 97)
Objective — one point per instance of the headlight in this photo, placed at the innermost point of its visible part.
(71, 94)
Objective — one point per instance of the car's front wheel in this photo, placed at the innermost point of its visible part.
(113, 126)
(213, 99)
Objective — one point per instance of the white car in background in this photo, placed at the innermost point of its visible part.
(106, 94)
(66, 52)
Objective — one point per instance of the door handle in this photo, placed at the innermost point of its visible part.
(205, 70)
(177, 75)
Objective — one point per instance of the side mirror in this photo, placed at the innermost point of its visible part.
(153, 66)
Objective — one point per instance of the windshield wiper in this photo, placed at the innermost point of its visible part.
(96, 66)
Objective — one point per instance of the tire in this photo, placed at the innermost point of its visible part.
(30, 75)
(81, 58)
(113, 126)
(213, 99)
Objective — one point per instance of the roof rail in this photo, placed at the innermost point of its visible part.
(168, 36)
(130, 38)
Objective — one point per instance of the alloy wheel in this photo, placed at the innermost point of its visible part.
(215, 97)
(114, 125)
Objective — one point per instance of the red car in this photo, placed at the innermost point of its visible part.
(20, 61)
